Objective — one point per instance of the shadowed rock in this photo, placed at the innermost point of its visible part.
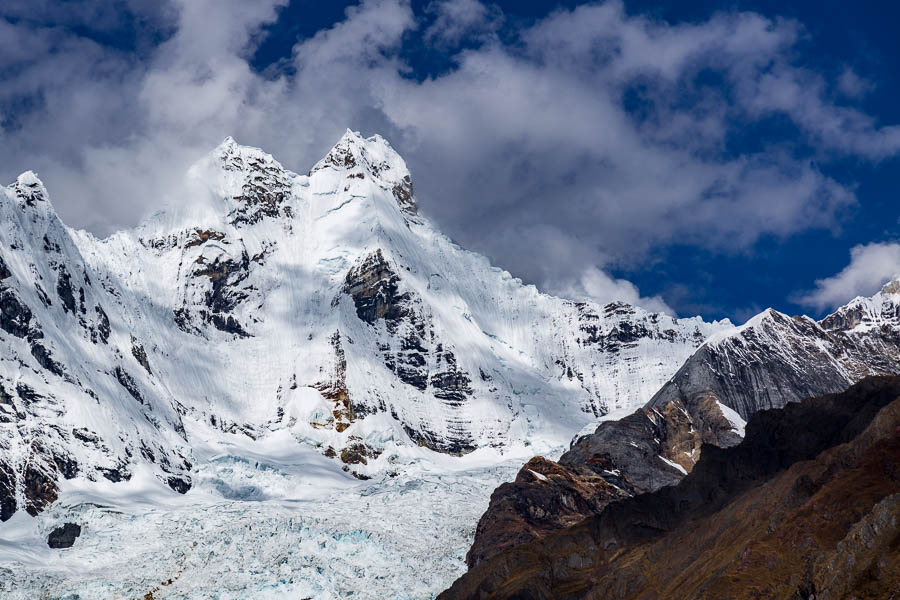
(643, 452)
(806, 506)
(64, 536)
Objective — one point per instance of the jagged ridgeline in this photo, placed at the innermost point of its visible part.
(262, 300)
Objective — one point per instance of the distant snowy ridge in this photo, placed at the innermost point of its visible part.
(774, 359)
(263, 300)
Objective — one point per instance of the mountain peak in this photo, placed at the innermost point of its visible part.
(373, 157)
(892, 286)
(246, 182)
(29, 189)
(229, 152)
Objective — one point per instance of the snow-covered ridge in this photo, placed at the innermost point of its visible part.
(773, 358)
(261, 300)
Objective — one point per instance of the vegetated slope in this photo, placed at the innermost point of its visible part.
(808, 505)
(262, 300)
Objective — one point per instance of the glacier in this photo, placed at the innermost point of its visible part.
(263, 521)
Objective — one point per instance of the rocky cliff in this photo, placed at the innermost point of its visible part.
(774, 359)
(807, 506)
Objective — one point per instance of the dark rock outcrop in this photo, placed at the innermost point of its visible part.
(806, 505)
(403, 193)
(8, 502)
(216, 285)
(225, 293)
(357, 452)
(414, 351)
(65, 291)
(265, 188)
(15, 316)
(4, 270)
(44, 358)
(102, 330)
(179, 484)
(375, 289)
(545, 497)
(64, 536)
(128, 382)
(39, 485)
(140, 355)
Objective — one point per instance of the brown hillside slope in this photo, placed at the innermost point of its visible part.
(808, 506)
(647, 450)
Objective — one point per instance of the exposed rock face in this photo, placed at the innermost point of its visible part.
(775, 359)
(643, 452)
(374, 287)
(140, 355)
(265, 184)
(8, 486)
(64, 536)
(403, 192)
(806, 506)
(358, 453)
(420, 359)
(214, 288)
(335, 390)
(544, 498)
(15, 316)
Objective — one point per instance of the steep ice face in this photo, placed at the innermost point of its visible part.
(261, 300)
(78, 397)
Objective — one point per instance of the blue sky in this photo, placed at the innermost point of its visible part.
(702, 158)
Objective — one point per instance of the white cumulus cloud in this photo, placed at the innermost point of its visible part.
(600, 287)
(527, 149)
(871, 266)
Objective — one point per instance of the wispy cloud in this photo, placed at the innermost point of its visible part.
(456, 20)
(871, 266)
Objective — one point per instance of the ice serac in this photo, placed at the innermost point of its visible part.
(261, 301)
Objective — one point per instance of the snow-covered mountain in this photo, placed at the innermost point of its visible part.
(262, 301)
